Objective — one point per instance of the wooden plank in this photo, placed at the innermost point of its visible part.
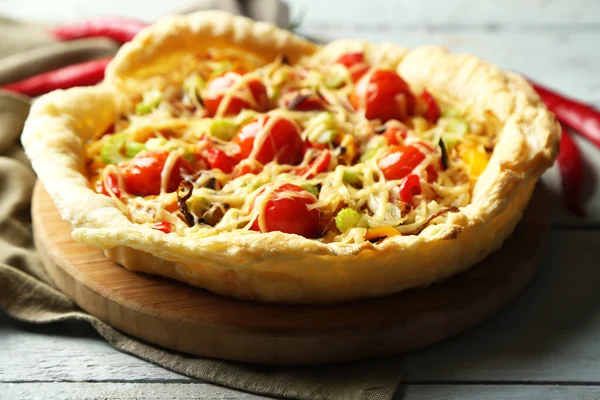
(551, 334)
(120, 390)
(499, 392)
(431, 14)
(355, 13)
(68, 352)
(166, 391)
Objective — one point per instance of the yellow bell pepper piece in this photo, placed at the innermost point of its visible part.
(381, 232)
(476, 159)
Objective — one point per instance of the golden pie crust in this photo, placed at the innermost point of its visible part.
(279, 267)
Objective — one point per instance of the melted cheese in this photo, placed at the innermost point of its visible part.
(242, 200)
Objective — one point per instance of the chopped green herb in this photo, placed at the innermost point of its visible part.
(326, 137)
(189, 157)
(347, 218)
(112, 149)
(193, 84)
(451, 113)
(351, 177)
(370, 153)
(220, 67)
(336, 76)
(457, 126)
(323, 119)
(450, 141)
(312, 189)
(223, 128)
(150, 101)
(132, 148)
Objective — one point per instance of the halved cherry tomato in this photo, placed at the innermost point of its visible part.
(432, 168)
(318, 165)
(281, 143)
(410, 186)
(431, 172)
(400, 161)
(355, 62)
(312, 102)
(245, 168)
(143, 174)
(383, 95)
(113, 184)
(426, 145)
(286, 210)
(395, 135)
(163, 226)
(433, 109)
(313, 145)
(218, 86)
(219, 160)
(350, 59)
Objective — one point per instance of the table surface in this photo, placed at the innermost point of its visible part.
(545, 345)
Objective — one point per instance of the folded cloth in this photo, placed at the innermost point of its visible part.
(26, 292)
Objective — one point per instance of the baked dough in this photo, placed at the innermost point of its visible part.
(274, 266)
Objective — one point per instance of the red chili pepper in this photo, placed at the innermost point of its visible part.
(433, 110)
(119, 29)
(163, 226)
(82, 74)
(410, 186)
(570, 163)
(578, 116)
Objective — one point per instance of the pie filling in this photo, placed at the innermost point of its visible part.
(345, 152)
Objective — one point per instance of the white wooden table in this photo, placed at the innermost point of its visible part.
(544, 346)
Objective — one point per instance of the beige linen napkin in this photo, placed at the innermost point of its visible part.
(26, 292)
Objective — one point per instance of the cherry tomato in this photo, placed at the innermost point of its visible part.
(281, 143)
(286, 210)
(432, 174)
(431, 170)
(313, 145)
(142, 175)
(318, 165)
(355, 62)
(310, 102)
(395, 135)
(400, 161)
(245, 168)
(433, 109)
(113, 184)
(423, 144)
(218, 86)
(350, 59)
(198, 162)
(383, 95)
(163, 226)
(219, 160)
(410, 186)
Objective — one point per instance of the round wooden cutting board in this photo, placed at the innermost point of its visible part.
(191, 320)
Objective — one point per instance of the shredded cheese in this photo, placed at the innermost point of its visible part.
(224, 202)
